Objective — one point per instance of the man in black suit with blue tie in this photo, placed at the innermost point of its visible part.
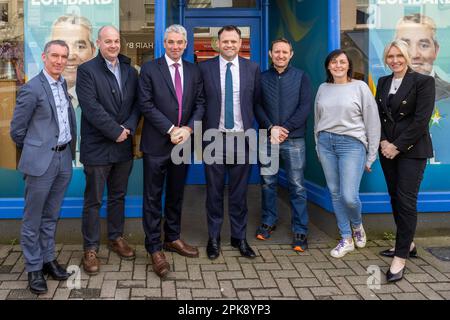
(171, 99)
(232, 90)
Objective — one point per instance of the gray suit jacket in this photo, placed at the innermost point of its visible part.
(34, 127)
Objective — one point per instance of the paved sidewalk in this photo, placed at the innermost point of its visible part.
(277, 273)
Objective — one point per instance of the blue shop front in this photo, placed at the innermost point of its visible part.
(362, 27)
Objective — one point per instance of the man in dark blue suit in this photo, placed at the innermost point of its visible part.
(44, 127)
(232, 90)
(171, 99)
(106, 89)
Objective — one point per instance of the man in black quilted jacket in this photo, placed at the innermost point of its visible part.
(284, 110)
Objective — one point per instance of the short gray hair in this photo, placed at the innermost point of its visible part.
(176, 28)
(61, 43)
(104, 27)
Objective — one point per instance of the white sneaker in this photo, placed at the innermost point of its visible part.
(344, 246)
(359, 237)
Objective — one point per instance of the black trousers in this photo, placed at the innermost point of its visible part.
(403, 177)
(157, 170)
(238, 168)
(115, 177)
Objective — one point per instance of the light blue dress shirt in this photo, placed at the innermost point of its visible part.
(116, 71)
(62, 108)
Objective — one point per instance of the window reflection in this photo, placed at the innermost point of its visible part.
(11, 41)
(137, 31)
(11, 74)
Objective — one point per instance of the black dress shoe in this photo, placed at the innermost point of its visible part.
(243, 247)
(55, 271)
(390, 253)
(394, 277)
(213, 248)
(37, 282)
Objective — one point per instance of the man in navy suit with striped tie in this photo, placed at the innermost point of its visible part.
(171, 99)
(232, 90)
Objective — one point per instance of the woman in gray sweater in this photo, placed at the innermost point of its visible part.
(347, 134)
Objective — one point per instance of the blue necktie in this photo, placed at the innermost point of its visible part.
(229, 116)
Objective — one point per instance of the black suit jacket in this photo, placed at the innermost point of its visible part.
(250, 91)
(406, 123)
(105, 110)
(159, 105)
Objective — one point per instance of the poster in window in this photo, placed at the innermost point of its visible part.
(425, 26)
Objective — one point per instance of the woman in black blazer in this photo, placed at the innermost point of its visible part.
(405, 103)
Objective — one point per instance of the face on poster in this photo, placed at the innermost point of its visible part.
(74, 21)
(77, 23)
(425, 26)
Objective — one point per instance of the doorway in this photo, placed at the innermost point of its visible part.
(202, 38)
(202, 20)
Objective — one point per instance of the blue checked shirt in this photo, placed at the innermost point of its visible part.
(62, 108)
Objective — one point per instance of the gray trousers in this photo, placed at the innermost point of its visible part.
(43, 198)
(115, 178)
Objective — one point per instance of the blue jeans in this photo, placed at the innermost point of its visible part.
(292, 152)
(343, 160)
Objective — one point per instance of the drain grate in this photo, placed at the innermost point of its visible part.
(442, 253)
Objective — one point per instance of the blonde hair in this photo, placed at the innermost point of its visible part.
(400, 45)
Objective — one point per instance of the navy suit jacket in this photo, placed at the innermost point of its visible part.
(250, 91)
(159, 105)
(35, 128)
(105, 110)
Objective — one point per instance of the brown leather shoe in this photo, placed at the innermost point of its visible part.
(121, 247)
(159, 264)
(182, 248)
(91, 264)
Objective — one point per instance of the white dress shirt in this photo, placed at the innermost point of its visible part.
(238, 123)
(171, 63)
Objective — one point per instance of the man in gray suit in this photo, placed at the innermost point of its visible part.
(44, 127)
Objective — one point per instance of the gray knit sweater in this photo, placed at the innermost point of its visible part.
(349, 109)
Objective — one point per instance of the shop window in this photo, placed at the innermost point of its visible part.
(137, 30)
(11, 74)
(410, 10)
(356, 19)
(362, 13)
(22, 39)
(205, 43)
(11, 41)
